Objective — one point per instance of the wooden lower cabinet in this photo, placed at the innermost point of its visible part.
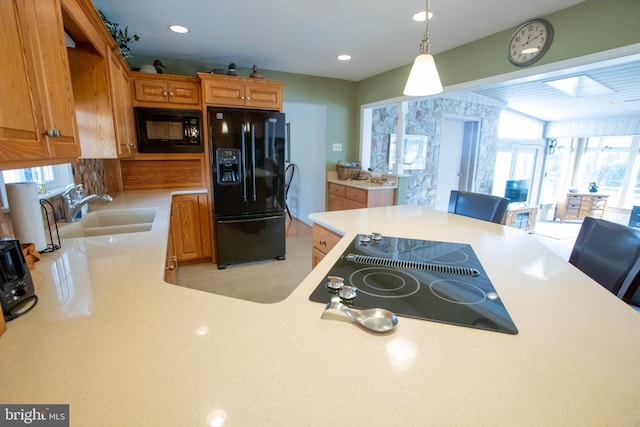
(190, 228)
(343, 197)
(322, 240)
(171, 263)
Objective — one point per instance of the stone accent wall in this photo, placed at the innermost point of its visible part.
(384, 124)
(426, 117)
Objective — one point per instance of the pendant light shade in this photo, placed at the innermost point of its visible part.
(424, 79)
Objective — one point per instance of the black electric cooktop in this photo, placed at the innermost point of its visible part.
(423, 279)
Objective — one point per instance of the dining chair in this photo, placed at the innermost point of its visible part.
(630, 289)
(609, 253)
(480, 206)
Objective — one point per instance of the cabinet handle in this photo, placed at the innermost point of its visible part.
(242, 97)
(51, 133)
(170, 93)
(248, 98)
(164, 93)
(173, 263)
(323, 243)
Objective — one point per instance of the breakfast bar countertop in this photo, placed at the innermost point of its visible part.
(122, 347)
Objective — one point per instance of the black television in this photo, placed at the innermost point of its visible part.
(517, 190)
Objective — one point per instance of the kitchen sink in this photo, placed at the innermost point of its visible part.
(111, 221)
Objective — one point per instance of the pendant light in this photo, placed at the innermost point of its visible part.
(423, 78)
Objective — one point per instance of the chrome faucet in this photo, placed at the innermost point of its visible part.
(74, 198)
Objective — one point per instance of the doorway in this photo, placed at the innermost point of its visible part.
(456, 163)
(306, 150)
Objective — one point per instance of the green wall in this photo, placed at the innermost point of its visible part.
(586, 28)
(338, 95)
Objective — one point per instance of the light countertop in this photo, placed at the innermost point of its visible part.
(122, 347)
(365, 184)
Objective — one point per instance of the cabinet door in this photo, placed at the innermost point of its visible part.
(336, 203)
(20, 138)
(122, 106)
(316, 257)
(224, 93)
(322, 241)
(51, 64)
(265, 96)
(171, 263)
(39, 122)
(190, 227)
(183, 92)
(151, 90)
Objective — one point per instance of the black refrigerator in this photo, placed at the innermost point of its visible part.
(247, 164)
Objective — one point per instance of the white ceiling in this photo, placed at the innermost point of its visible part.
(305, 37)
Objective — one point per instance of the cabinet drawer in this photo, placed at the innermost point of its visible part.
(322, 239)
(337, 190)
(574, 200)
(356, 195)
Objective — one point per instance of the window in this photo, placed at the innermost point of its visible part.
(511, 125)
(613, 162)
(519, 153)
(54, 178)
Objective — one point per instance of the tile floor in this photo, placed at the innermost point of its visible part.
(264, 282)
(272, 281)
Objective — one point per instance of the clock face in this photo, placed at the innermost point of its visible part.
(530, 42)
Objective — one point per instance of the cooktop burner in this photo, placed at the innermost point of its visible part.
(423, 279)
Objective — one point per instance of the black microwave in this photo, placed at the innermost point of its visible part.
(162, 130)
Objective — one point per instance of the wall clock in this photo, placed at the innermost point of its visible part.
(530, 42)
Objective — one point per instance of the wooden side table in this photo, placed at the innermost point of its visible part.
(577, 206)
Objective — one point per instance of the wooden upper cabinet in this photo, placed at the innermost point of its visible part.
(101, 86)
(37, 115)
(166, 89)
(19, 131)
(122, 105)
(230, 91)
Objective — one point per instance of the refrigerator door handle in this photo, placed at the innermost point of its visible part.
(287, 136)
(253, 159)
(242, 165)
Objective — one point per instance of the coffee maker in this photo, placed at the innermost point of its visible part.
(16, 285)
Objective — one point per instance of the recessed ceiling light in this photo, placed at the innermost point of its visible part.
(178, 29)
(420, 16)
(344, 57)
